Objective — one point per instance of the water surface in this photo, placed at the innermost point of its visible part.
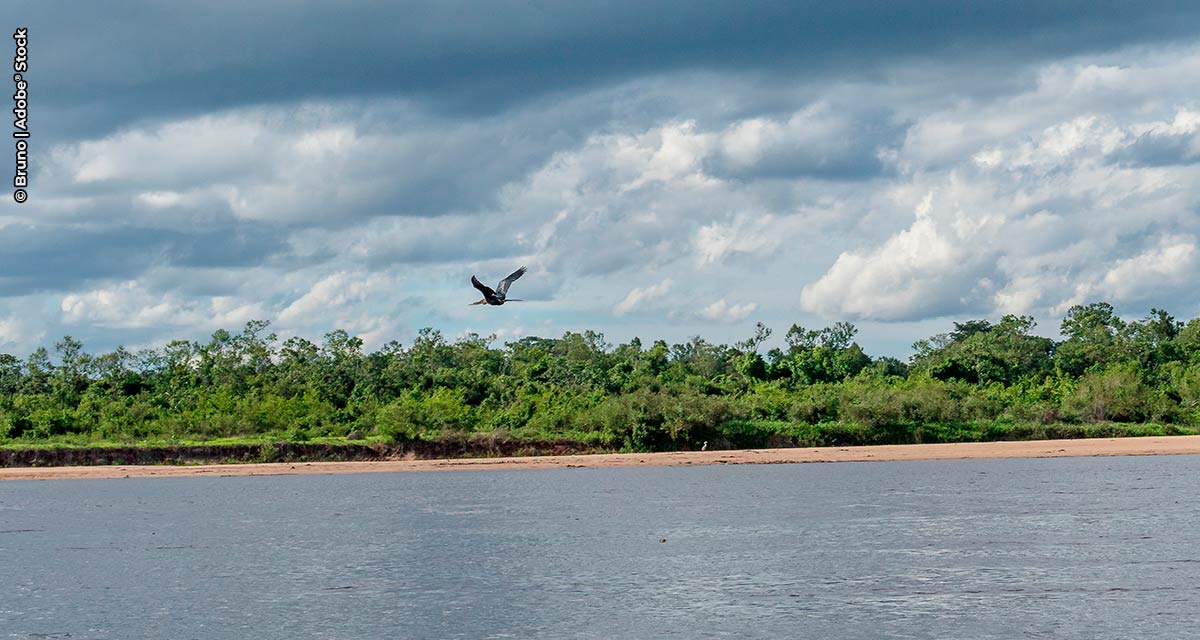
(1049, 548)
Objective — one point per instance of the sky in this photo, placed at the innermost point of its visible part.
(666, 170)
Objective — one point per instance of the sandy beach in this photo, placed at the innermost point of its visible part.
(1171, 445)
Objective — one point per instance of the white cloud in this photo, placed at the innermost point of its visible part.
(637, 296)
(1172, 262)
(1122, 85)
(648, 199)
(211, 146)
(129, 305)
(721, 311)
(918, 193)
(160, 199)
(910, 275)
(744, 142)
(747, 234)
(311, 164)
(332, 293)
(511, 333)
(1034, 202)
(670, 153)
(19, 331)
(819, 139)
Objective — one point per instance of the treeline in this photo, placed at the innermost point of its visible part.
(982, 380)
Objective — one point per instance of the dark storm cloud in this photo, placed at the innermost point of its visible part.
(379, 160)
(201, 162)
(34, 259)
(99, 65)
(246, 245)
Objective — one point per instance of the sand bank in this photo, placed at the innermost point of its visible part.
(958, 451)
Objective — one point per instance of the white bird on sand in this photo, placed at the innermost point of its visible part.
(705, 447)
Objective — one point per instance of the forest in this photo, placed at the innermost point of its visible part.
(982, 380)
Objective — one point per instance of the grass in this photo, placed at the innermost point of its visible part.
(734, 434)
(75, 441)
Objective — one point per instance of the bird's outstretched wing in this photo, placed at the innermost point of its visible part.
(487, 291)
(502, 288)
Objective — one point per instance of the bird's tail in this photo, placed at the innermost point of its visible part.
(513, 300)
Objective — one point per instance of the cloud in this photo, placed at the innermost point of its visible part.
(128, 305)
(1163, 144)
(332, 293)
(309, 165)
(19, 331)
(193, 59)
(921, 271)
(880, 163)
(747, 234)
(637, 296)
(628, 200)
(721, 311)
(54, 258)
(1028, 203)
(821, 140)
(1170, 264)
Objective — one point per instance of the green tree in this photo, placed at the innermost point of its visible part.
(10, 375)
(1093, 339)
(825, 355)
(980, 352)
(69, 380)
(1153, 342)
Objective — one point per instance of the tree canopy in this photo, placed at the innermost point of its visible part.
(983, 379)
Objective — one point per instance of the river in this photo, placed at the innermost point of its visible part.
(1018, 548)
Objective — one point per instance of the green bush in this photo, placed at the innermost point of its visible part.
(415, 416)
(1116, 394)
(816, 403)
(983, 380)
(768, 401)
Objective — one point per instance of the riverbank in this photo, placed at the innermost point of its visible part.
(1167, 445)
(473, 446)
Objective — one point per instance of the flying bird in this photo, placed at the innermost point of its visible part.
(498, 296)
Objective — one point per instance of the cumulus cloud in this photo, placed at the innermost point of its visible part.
(128, 305)
(789, 162)
(332, 293)
(1159, 144)
(923, 270)
(313, 165)
(193, 59)
(746, 234)
(819, 140)
(637, 296)
(203, 148)
(19, 332)
(1032, 209)
(721, 311)
(1170, 264)
(625, 201)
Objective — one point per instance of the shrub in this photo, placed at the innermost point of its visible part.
(1115, 394)
(414, 416)
(768, 401)
(816, 403)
